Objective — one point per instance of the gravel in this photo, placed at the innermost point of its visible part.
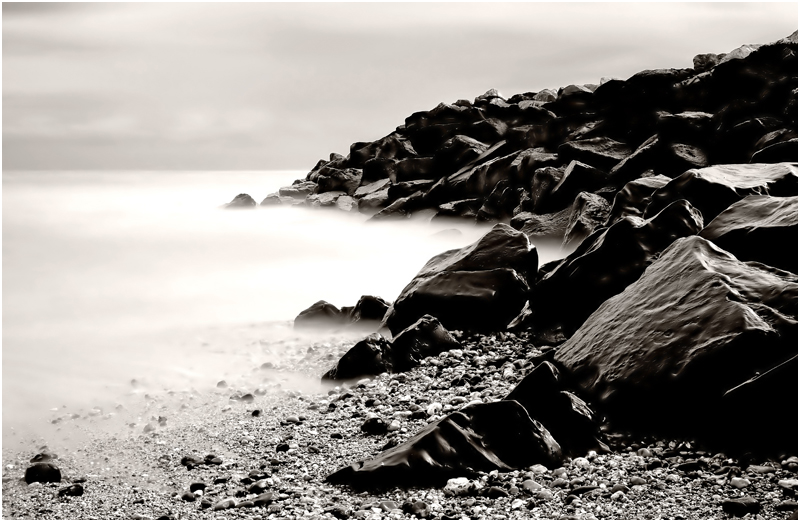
(203, 452)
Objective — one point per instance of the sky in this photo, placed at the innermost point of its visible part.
(268, 86)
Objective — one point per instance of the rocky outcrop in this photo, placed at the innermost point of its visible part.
(482, 437)
(479, 287)
(758, 228)
(696, 324)
(605, 263)
(321, 314)
(241, 201)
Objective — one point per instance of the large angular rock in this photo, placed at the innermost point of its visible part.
(457, 152)
(478, 287)
(544, 181)
(713, 189)
(346, 180)
(588, 213)
(482, 437)
(578, 177)
(758, 228)
(568, 418)
(634, 197)
(660, 355)
(321, 314)
(365, 359)
(424, 338)
(369, 308)
(605, 263)
(602, 153)
(298, 190)
(543, 225)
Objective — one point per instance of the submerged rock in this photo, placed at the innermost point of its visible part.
(482, 437)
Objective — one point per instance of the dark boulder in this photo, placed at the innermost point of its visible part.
(588, 213)
(476, 287)
(406, 188)
(378, 168)
(242, 201)
(758, 228)
(417, 168)
(713, 189)
(634, 197)
(568, 418)
(500, 204)
(465, 208)
(393, 146)
(326, 199)
(544, 181)
(526, 162)
(578, 177)
(777, 152)
(482, 437)
(365, 359)
(369, 308)
(660, 355)
(602, 153)
(605, 263)
(42, 472)
(424, 338)
(298, 190)
(543, 225)
(321, 314)
(346, 180)
(457, 152)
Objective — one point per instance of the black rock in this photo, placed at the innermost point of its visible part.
(321, 314)
(281, 448)
(42, 472)
(197, 486)
(374, 426)
(365, 359)
(740, 507)
(74, 490)
(424, 338)
(242, 201)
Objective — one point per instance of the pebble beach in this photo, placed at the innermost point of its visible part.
(260, 445)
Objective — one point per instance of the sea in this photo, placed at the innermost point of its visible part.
(110, 277)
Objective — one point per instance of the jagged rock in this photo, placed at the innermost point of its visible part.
(461, 208)
(544, 181)
(326, 199)
(528, 161)
(346, 180)
(490, 130)
(568, 418)
(392, 146)
(482, 437)
(500, 204)
(298, 190)
(412, 169)
(365, 359)
(713, 189)
(777, 152)
(407, 188)
(321, 314)
(642, 159)
(346, 203)
(660, 355)
(758, 228)
(424, 338)
(457, 152)
(242, 201)
(605, 263)
(704, 62)
(371, 188)
(588, 213)
(369, 308)
(271, 199)
(543, 225)
(634, 197)
(578, 177)
(374, 201)
(378, 169)
(691, 127)
(401, 208)
(478, 287)
(601, 153)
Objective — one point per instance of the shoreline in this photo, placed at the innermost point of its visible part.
(292, 446)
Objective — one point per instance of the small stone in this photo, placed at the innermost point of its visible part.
(788, 483)
(194, 487)
(538, 469)
(222, 384)
(282, 448)
(496, 492)
(256, 413)
(265, 499)
(518, 503)
(393, 426)
(292, 419)
(620, 487)
(739, 507)
(581, 462)
(559, 483)
(388, 505)
(644, 452)
(224, 504)
(336, 435)
(637, 481)
(188, 496)
(374, 426)
(544, 494)
(619, 496)
(74, 490)
(531, 486)
(739, 482)
(787, 505)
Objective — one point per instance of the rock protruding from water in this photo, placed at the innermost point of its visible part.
(242, 201)
(482, 437)
(479, 287)
(365, 359)
(661, 354)
(44, 471)
(321, 314)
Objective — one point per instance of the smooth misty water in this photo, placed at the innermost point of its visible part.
(106, 274)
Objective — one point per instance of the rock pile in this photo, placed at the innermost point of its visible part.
(676, 313)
